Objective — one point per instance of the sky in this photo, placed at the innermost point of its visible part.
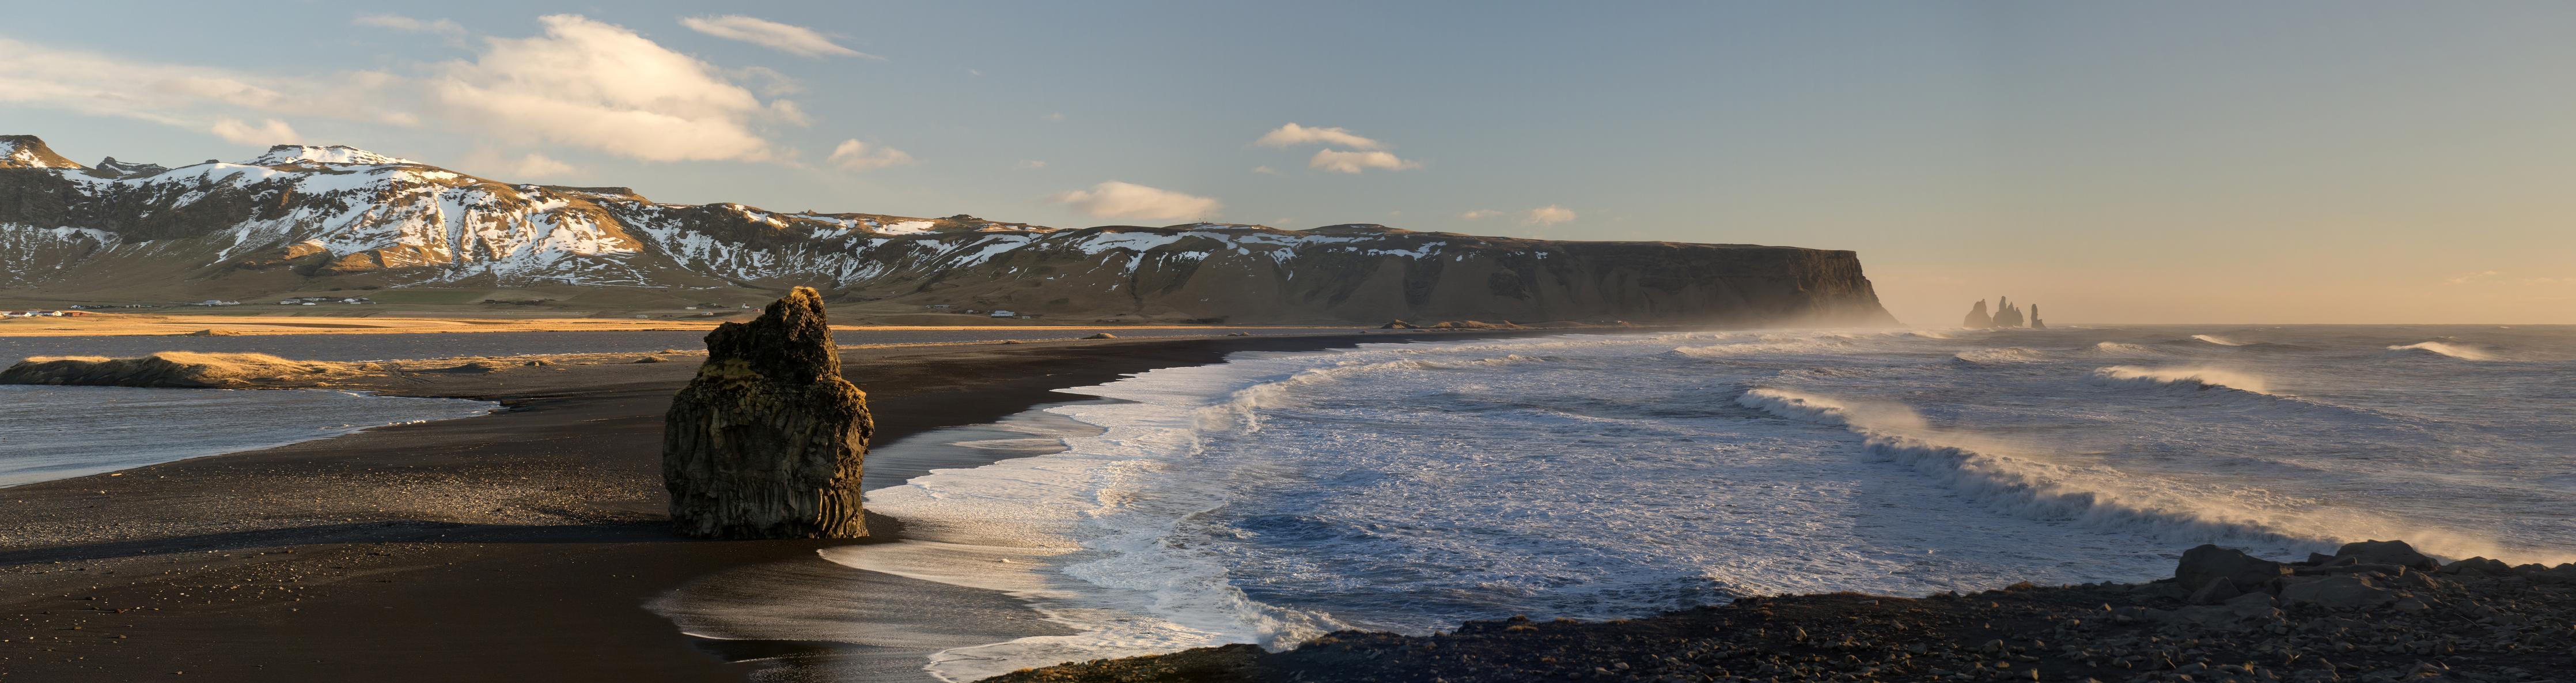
(2186, 162)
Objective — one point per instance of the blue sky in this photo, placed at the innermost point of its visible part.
(2191, 162)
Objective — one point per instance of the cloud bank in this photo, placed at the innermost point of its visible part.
(1547, 215)
(854, 155)
(1116, 199)
(1292, 134)
(596, 85)
(788, 38)
(1356, 162)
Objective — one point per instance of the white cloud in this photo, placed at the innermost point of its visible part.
(1339, 161)
(185, 96)
(596, 85)
(2466, 278)
(1055, 116)
(854, 155)
(1547, 215)
(270, 132)
(1032, 164)
(1265, 170)
(1116, 199)
(530, 166)
(786, 38)
(439, 27)
(1293, 134)
(582, 83)
(1479, 214)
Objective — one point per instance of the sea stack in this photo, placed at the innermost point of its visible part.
(2007, 314)
(767, 441)
(2034, 318)
(1977, 317)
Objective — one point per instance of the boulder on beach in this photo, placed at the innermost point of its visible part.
(2243, 573)
(767, 441)
(2387, 552)
(1102, 335)
(1399, 325)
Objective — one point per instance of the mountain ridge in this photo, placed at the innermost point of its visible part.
(303, 215)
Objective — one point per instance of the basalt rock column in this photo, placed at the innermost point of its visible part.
(767, 441)
(1977, 317)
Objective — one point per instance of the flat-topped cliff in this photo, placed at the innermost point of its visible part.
(304, 217)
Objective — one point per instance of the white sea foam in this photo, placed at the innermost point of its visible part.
(2121, 349)
(2435, 348)
(2215, 339)
(2009, 354)
(1406, 487)
(2197, 378)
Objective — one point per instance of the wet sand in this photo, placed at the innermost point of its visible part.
(518, 546)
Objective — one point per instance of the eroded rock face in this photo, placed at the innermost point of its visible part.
(767, 441)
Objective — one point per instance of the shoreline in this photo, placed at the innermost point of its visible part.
(520, 545)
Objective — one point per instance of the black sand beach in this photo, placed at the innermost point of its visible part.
(518, 546)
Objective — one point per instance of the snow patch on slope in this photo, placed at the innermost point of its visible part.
(333, 154)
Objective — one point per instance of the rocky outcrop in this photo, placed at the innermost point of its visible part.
(2034, 318)
(28, 151)
(183, 370)
(2472, 620)
(768, 439)
(1977, 317)
(304, 218)
(2007, 314)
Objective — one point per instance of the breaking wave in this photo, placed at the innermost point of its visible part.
(2215, 339)
(2011, 479)
(2444, 349)
(2026, 487)
(2009, 354)
(2197, 379)
(2119, 349)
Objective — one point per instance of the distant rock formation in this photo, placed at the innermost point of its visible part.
(2007, 314)
(111, 168)
(2034, 318)
(1977, 317)
(768, 440)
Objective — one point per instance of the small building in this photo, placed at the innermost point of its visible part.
(216, 302)
(1003, 314)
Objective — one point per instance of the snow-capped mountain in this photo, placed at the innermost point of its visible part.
(298, 214)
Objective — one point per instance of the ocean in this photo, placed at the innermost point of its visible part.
(62, 432)
(1408, 487)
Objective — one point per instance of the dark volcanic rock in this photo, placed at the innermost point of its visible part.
(2248, 573)
(2392, 625)
(767, 441)
(2387, 552)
